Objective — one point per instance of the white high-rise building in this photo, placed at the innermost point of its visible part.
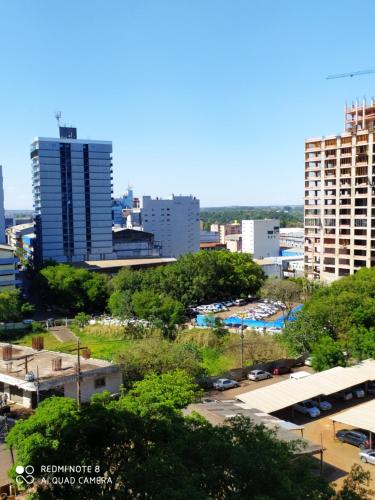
(174, 223)
(261, 237)
(2, 212)
(72, 188)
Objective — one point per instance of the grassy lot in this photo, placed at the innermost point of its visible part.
(219, 353)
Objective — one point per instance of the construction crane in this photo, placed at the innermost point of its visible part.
(354, 73)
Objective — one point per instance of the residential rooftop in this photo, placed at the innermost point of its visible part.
(41, 363)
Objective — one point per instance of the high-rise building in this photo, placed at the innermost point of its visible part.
(2, 212)
(174, 223)
(261, 238)
(340, 197)
(72, 188)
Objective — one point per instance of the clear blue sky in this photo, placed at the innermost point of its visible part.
(208, 97)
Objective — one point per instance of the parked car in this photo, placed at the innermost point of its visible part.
(307, 408)
(322, 405)
(308, 361)
(354, 437)
(281, 370)
(258, 375)
(225, 383)
(367, 456)
(359, 392)
(371, 387)
(345, 395)
(239, 302)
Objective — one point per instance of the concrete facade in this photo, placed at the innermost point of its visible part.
(174, 223)
(72, 188)
(261, 238)
(8, 268)
(340, 198)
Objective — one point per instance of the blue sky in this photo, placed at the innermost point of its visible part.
(208, 97)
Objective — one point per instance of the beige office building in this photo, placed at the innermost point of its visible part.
(340, 198)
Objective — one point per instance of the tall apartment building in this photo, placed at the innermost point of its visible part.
(340, 198)
(72, 188)
(174, 223)
(261, 237)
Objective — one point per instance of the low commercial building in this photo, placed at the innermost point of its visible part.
(8, 268)
(130, 243)
(209, 236)
(234, 242)
(292, 237)
(225, 230)
(261, 238)
(27, 375)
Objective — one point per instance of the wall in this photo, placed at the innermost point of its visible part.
(113, 382)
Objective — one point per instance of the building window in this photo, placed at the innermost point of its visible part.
(99, 382)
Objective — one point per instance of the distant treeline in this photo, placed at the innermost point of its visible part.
(289, 216)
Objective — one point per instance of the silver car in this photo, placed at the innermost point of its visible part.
(367, 456)
(225, 383)
(258, 375)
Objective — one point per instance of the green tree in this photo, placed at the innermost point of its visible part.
(157, 355)
(73, 290)
(161, 394)
(356, 485)
(160, 309)
(335, 310)
(81, 319)
(326, 354)
(147, 457)
(12, 308)
(120, 304)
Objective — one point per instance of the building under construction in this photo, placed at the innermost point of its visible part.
(340, 197)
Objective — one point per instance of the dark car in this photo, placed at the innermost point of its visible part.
(280, 370)
(355, 437)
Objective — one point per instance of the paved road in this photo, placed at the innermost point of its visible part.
(63, 334)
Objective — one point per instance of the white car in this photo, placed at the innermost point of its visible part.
(367, 456)
(258, 375)
(225, 383)
(307, 408)
(323, 405)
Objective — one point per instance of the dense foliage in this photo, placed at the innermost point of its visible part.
(12, 308)
(343, 312)
(159, 455)
(73, 290)
(196, 278)
(288, 216)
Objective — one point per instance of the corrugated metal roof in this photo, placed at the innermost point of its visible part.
(289, 392)
(362, 416)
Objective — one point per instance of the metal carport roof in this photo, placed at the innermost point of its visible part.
(289, 392)
(361, 416)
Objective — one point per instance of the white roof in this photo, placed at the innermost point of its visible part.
(289, 392)
(362, 416)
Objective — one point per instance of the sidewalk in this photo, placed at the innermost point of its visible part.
(63, 334)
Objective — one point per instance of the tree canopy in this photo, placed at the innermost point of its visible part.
(12, 308)
(344, 311)
(158, 458)
(73, 290)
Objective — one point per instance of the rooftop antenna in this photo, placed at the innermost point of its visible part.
(58, 117)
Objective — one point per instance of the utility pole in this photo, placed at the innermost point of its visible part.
(37, 386)
(79, 348)
(242, 340)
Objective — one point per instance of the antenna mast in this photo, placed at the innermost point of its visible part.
(58, 117)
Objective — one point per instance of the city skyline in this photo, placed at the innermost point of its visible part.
(186, 93)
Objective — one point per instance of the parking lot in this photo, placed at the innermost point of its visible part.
(338, 457)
